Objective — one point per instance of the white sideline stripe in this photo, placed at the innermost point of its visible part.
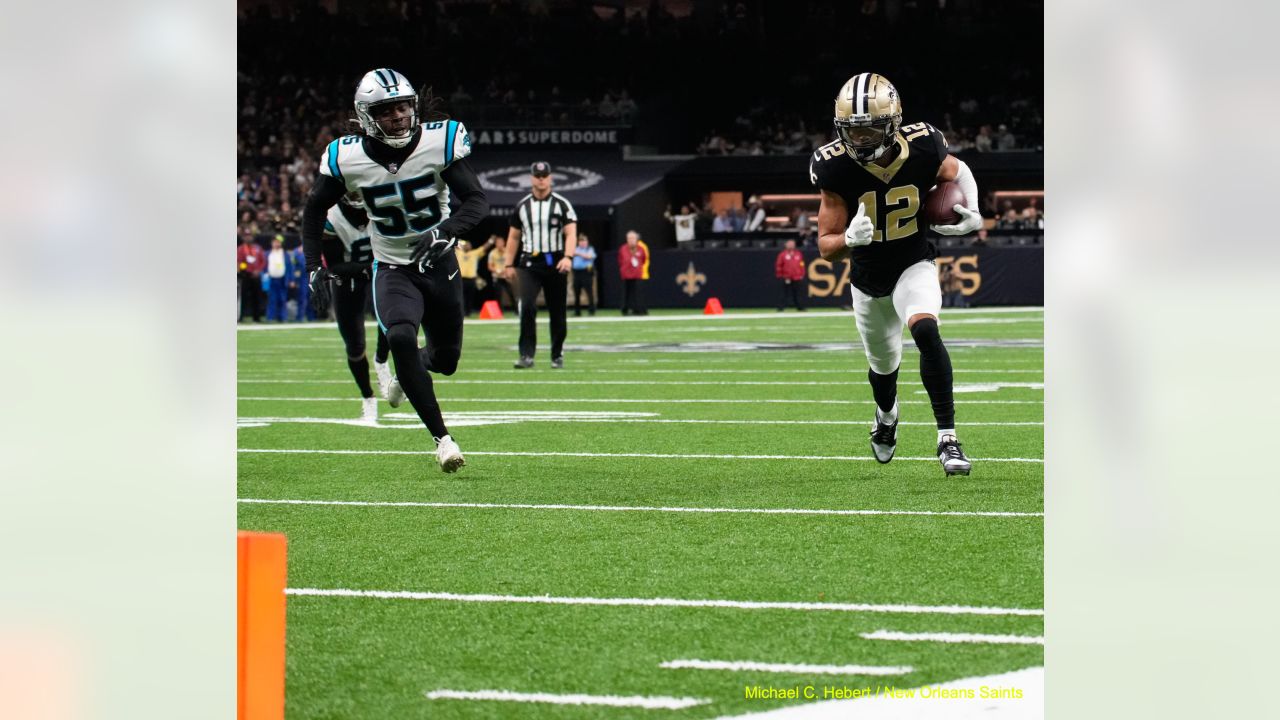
(649, 703)
(657, 318)
(834, 370)
(672, 456)
(954, 638)
(643, 508)
(509, 418)
(709, 401)
(667, 602)
(797, 669)
(828, 383)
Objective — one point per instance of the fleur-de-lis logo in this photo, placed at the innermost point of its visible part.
(691, 281)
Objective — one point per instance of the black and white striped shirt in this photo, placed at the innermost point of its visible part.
(541, 222)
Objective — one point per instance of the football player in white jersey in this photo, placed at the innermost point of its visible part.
(348, 256)
(405, 171)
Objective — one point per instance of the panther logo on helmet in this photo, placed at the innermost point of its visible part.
(379, 89)
(868, 115)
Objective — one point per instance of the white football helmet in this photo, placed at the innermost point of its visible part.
(378, 87)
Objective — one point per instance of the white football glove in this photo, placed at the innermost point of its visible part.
(860, 229)
(970, 222)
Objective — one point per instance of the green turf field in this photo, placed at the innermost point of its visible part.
(652, 417)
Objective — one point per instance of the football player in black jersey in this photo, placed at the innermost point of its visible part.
(873, 178)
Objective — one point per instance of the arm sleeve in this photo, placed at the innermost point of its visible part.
(325, 193)
(968, 185)
(462, 181)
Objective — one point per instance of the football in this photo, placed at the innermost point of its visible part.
(939, 204)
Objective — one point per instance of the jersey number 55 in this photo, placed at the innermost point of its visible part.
(416, 210)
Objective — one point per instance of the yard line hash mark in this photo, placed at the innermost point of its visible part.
(649, 703)
(954, 638)
(794, 668)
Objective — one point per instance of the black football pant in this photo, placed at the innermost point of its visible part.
(790, 292)
(349, 303)
(554, 286)
(470, 296)
(582, 283)
(632, 302)
(403, 299)
(250, 297)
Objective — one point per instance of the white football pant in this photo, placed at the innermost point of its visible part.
(881, 320)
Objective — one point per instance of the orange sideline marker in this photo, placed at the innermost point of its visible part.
(713, 307)
(490, 310)
(260, 678)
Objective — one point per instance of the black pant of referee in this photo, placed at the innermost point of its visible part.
(538, 272)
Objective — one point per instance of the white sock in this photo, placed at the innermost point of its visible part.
(946, 432)
(888, 418)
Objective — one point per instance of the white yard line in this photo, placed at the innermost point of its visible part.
(411, 421)
(644, 508)
(730, 316)
(667, 602)
(656, 401)
(791, 668)
(698, 371)
(1017, 695)
(638, 701)
(955, 638)
(666, 456)
(583, 382)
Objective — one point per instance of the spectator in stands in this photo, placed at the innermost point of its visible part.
(1008, 219)
(723, 223)
(684, 223)
(497, 263)
(983, 142)
(802, 221)
(584, 276)
(754, 219)
(788, 267)
(1031, 215)
(632, 259)
(250, 262)
(981, 239)
(1005, 140)
(277, 280)
(738, 219)
(627, 107)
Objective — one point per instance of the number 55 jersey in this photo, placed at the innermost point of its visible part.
(403, 199)
(892, 196)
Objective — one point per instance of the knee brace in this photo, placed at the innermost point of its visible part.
(928, 339)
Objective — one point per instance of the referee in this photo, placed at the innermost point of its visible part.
(544, 228)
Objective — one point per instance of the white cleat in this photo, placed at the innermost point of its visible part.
(369, 410)
(384, 376)
(952, 457)
(395, 393)
(448, 454)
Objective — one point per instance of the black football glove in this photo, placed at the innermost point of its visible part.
(430, 248)
(321, 290)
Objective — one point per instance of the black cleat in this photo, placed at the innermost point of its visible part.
(884, 440)
(952, 457)
(557, 363)
(525, 362)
